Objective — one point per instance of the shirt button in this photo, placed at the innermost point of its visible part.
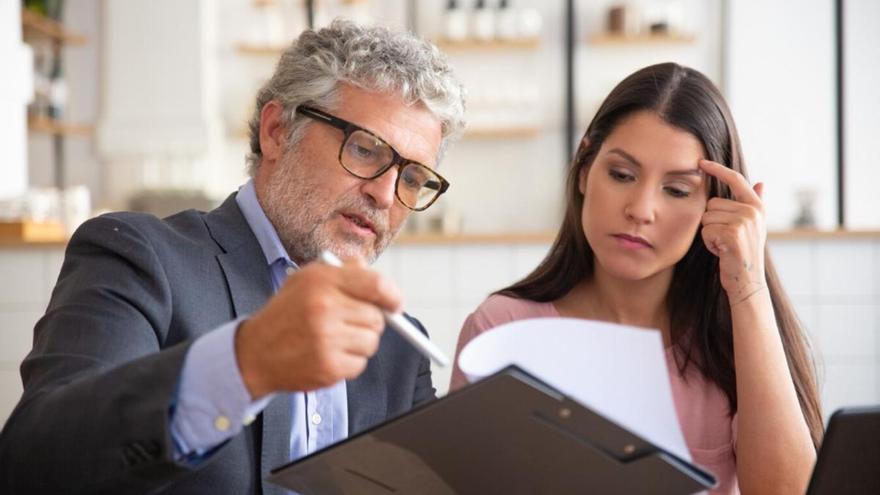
(249, 419)
(290, 270)
(221, 423)
(316, 418)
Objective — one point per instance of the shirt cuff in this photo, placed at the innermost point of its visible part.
(212, 403)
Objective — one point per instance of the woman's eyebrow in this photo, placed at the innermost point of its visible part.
(691, 171)
(626, 156)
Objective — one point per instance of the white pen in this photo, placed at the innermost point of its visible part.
(399, 323)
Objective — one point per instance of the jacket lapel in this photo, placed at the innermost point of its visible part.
(368, 391)
(247, 275)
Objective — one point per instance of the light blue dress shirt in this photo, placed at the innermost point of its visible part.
(213, 404)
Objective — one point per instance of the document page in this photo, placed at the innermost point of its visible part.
(616, 370)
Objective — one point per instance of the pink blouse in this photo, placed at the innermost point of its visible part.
(709, 430)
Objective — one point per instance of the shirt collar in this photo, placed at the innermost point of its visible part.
(262, 228)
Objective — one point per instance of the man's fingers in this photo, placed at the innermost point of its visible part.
(363, 315)
(370, 286)
(361, 342)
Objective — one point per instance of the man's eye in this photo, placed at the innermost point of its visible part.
(413, 181)
(361, 151)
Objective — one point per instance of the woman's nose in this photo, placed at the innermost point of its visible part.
(641, 207)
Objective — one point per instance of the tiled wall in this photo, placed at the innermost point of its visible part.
(27, 277)
(834, 283)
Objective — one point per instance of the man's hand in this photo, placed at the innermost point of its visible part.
(321, 327)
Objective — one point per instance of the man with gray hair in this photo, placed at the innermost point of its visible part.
(193, 354)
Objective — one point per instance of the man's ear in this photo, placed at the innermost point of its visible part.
(273, 137)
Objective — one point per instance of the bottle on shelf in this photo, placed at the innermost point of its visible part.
(483, 22)
(506, 26)
(529, 23)
(455, 22)
(57, 91)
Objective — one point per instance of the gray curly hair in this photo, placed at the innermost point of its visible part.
(371, 58)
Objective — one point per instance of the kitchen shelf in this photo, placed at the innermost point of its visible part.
(501, 132)
(38, 25)
(466, 45)
(30, 232)
(509, 238)
(641, 39)
(548, 237)
(49, 126)
(260, 49)
(476, 238)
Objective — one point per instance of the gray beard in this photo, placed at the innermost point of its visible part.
(299, 214)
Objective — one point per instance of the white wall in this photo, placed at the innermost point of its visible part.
(834, 284)
(780, 82)
(862, 113)
(15, 92)
(159, 125)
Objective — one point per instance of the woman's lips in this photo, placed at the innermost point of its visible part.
(632, 242)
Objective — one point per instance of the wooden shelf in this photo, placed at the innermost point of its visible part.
(247, 48)
(501, 132)
(812, 234)
(27, 231)
(641, 39)
(270, 3)
(476, 238)
(44, 125)
(465, 45)
(548, 237)
(37, 25)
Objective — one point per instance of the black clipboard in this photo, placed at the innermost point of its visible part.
(508, 433)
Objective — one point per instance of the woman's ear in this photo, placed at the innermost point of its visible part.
(582, 180)
(582, 175)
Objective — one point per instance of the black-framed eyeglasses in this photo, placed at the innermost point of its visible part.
(367, 156)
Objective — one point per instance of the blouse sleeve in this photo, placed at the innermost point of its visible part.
(474, 325)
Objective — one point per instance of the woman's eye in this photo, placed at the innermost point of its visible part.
(677, 193)
(620, 176)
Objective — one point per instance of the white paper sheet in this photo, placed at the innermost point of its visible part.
(618, 371)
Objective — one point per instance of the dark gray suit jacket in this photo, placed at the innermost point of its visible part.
(133, 294)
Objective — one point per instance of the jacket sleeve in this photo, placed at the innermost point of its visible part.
(98, 385)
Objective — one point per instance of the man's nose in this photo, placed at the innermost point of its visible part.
(381, 189)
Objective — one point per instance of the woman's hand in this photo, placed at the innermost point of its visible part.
(734, 230)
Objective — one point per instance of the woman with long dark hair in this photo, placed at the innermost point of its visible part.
(663, 230)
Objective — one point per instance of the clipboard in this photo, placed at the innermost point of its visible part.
(508, 433)
(850, 453)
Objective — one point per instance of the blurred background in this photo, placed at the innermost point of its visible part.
(142, 105)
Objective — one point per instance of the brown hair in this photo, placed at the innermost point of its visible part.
(701, 328)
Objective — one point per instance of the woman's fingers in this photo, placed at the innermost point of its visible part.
(738, 184)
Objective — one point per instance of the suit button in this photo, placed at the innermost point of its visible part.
(221, 423)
